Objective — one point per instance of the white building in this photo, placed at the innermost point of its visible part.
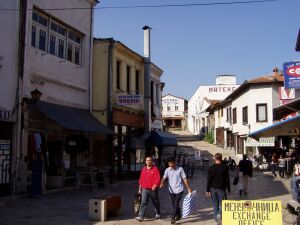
(174, 111)
(204, 96)
(248, 108)
(49, 51)
(9, 73)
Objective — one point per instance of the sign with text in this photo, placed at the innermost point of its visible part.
(291, 73)
(129, 100)
(247, 212)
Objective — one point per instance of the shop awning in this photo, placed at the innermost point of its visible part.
(162, 138)
(72, 118)
(286, 109)
(287, 127)
(262, 142)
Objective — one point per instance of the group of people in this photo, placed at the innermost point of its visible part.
(284, 165)
(218, 184)
(150, 182)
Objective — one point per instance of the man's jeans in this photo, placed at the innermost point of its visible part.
(243, 182)
(175, 203)
(146, 194)
(217, 195)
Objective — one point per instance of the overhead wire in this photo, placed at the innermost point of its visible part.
(151, 6)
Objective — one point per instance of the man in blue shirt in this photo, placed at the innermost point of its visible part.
(176, 177)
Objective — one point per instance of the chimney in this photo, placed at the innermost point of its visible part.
(275, 71)
(147, 66)
(147, 42)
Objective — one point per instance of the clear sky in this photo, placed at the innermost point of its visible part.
(194, 44)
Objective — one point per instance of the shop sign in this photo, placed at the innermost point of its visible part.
(247, 212)
(5, 115)
(291, 73)
(129, 99)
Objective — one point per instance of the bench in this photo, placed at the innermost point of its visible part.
(101, 208)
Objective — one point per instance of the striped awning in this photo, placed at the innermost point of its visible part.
(262, 142)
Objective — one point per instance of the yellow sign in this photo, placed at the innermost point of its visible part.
(247, 212)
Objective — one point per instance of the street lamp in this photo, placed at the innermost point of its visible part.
(35, 95)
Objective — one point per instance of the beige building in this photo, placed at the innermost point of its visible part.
(118, 100)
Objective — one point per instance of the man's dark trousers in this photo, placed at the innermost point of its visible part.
(175, 203)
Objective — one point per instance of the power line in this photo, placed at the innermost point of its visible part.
(152, 6)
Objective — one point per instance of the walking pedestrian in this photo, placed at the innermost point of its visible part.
(148, 187)
(176, 178)
(231, 163)
(245, 171)
(281, 166)
(217, 183)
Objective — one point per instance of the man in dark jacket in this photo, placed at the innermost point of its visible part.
(245, 171)
(217, 182)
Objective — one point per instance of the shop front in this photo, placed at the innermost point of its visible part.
(60, 141)
(129, 151)
(5, 157)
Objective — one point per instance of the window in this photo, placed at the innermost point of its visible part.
(52, 45)
(128, 79)
(158, 98)
(221, 112)
(77, 55)
(261, 113)
(137, 82)
(176, 107)
(42, 40)
(61, 48)
(228, 114)
(118, 70)
(33, 36)
(51, 36)
(234, 115)
(245, 115)
(168, 108)
(69, 52)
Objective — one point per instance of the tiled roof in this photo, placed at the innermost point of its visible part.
(267, 78)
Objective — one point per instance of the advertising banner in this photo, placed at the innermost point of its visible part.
(291, 73)
(247, 212)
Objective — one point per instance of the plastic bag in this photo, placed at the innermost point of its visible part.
(137, 203)
(236, 180)
(189, 204)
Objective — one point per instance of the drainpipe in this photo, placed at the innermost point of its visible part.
(147, 64)
(91, 74)
(90, 59)
(17, 157)
(109, 111)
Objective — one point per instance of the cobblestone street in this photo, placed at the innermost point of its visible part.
(71, 207)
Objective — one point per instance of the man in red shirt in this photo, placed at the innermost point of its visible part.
(148, 186)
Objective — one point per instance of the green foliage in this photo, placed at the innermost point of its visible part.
(209, 137)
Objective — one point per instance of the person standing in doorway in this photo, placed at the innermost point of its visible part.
(281, 166)
(217, 183)
(273, 165)
(245, 171)
(148, 187)
(176, 178)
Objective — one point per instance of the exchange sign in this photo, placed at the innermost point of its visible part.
(291, 73)
(246, 212)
